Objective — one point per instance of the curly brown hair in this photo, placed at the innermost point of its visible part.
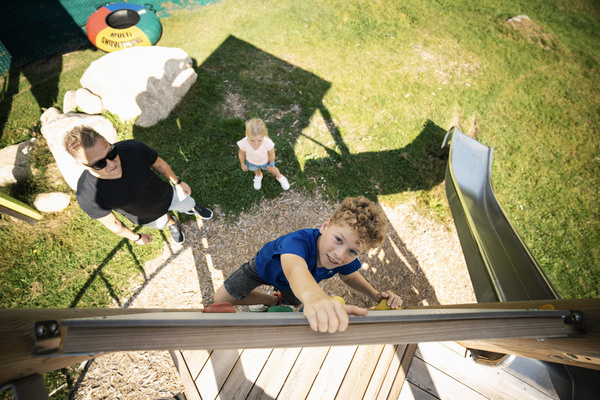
(365, 218)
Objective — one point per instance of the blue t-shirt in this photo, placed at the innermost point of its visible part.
(302, 243)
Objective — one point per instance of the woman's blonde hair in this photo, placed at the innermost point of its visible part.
(256, 127)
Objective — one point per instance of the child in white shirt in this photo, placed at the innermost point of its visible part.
(257, 152)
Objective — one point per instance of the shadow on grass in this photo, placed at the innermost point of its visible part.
(417, 166)
(238, 82)
(124, 245)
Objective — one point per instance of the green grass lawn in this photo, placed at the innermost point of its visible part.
(357, 96)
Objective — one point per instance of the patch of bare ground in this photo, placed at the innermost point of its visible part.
(421, 260)
(533, 32)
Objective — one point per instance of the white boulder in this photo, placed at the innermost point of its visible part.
(69, 102)
(88, 102)
(143, 82)
(51, 202)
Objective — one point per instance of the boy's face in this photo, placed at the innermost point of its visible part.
(337, 245)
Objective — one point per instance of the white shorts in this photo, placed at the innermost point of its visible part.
(178, 204)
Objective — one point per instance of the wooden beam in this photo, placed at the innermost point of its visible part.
(85, 332)
(581, 352)
(17, 340)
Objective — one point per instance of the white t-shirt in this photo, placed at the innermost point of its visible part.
(259, 156)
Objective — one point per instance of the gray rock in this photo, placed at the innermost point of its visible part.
(14, 162)
(54, 128)
(143, 82)
(52, 202)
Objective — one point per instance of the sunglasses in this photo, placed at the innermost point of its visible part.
(101, 164)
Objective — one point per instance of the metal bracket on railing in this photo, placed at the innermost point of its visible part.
(575, 324)
(46, 337)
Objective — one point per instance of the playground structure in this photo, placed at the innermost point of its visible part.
(518, 313)
(18, 209)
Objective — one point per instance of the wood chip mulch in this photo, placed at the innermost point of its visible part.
(421, 260)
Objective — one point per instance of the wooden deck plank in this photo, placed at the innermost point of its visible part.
(332, 373)
(180, 361)
(438, 384)
(243, 375)
(387, 356)
(195, 360)
(303, 374)
(413, 392)
(398, 382)
(274, 373)
(215, 372)
(390, 373)
(359, 373)
(493, 383)
(455, 347)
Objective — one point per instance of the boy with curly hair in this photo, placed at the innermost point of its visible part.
(295, 264)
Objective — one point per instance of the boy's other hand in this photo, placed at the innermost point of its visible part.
(329, 315)
(393, 300)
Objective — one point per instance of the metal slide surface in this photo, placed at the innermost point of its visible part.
(501, 266)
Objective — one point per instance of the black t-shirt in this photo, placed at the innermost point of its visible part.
(140, 195)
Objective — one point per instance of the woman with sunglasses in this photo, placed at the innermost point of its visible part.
(124, 177)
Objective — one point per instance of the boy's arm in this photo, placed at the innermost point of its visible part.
(324, 313)
(357, 282)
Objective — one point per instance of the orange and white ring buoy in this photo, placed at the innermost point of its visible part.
(121, 25)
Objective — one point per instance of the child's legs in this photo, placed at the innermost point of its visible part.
(289, 298)
(254, 168)
(274, 171)
(239, 287)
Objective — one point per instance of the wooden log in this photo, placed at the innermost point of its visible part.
(86, 332)
(581, 352)
(17, 340)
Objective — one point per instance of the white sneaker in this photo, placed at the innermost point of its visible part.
(285, 185)
(258, 182)
(258, 308)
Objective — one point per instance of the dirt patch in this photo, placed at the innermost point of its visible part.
(532, 31)
(421, 260)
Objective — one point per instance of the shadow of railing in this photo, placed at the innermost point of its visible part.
(30, 31)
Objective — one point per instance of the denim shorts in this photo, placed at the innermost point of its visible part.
(254, 167)
(246, 279)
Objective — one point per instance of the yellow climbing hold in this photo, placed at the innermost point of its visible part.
(338, 298)
(382, 305)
